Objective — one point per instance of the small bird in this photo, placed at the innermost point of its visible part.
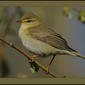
(41, 40)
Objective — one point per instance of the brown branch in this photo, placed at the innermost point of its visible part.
(27, 56)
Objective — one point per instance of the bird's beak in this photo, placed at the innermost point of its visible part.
(19, 21)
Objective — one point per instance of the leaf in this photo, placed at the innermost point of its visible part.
(67, 8)
(81, 16)
(32, 70)
(67, 12)
(34, 67)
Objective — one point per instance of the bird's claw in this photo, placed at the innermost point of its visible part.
(47, 69)
(32, 59)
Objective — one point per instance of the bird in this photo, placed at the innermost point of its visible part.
(41, 40)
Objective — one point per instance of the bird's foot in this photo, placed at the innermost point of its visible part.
(32, 59)
(47, 69)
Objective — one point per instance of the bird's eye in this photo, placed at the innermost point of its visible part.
(29, 21)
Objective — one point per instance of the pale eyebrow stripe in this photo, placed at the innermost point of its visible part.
(29, 19)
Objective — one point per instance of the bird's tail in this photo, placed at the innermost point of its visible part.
(78, 54)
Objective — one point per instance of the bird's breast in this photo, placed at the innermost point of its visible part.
(35, 46)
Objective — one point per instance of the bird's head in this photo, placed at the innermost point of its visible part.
(29, 20)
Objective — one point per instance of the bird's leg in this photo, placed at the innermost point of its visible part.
(50, 62)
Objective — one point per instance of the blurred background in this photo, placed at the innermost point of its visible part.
(67, 21)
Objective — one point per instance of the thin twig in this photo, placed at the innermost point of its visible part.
(27, 56)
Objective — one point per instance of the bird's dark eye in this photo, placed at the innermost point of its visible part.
(29, 21)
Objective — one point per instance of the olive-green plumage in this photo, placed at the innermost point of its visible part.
(40, 39)
(49, 36)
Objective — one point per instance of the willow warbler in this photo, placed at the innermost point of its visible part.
(41, 40)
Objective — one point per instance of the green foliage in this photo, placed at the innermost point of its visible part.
(80, 13)
(34, 67)
(81, 16)
(67, 12)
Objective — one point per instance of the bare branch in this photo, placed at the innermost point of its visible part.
(27, 56)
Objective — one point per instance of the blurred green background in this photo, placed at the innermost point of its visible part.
(14, 64)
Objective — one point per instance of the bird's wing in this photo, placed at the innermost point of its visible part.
(50, 37)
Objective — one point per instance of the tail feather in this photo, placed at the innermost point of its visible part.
(78, 54)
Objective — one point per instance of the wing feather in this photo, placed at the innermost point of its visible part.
(49, 36)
